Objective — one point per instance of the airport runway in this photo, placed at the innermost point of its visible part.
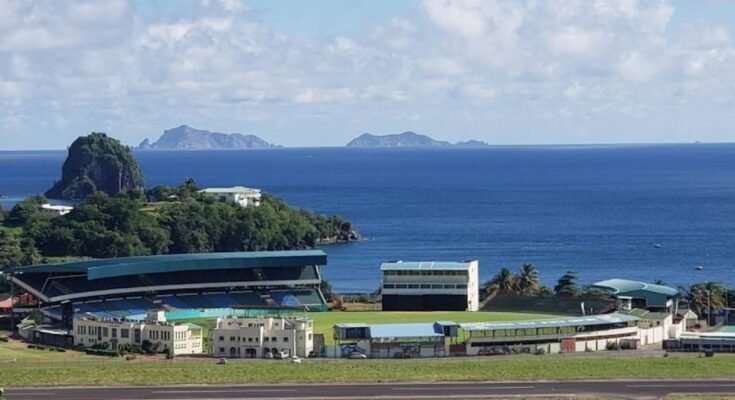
(619, 388)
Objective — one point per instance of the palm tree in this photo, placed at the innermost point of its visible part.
(527, 280)
(566, 286)
(706, 296)
(504, 282)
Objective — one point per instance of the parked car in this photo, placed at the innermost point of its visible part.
(268, 355)
(295, 360)
(357, 356)
(280, 355)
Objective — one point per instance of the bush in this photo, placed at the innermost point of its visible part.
(540, 351)
(4, 339)
(611, 346)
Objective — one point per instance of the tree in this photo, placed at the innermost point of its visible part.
(567, 286)
(326, 289)
(504, 282)
(706, 296)
(527, 281)
(2, 213)
(26, 209)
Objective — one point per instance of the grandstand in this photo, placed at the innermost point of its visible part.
(129, 287)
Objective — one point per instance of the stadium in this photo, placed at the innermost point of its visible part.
(183, 285)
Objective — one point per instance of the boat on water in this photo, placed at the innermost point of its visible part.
(657, 245)
(699, 268)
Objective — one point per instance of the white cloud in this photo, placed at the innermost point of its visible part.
(79, 64)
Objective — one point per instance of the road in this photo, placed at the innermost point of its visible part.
(619, 388)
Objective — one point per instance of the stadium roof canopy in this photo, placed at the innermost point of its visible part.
(424, 266)
(113, 267)
(623, 286)
(604, 319)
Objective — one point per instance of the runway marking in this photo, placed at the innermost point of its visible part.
(467, 388)
(222, 391)
(681, 385)
(34, 394)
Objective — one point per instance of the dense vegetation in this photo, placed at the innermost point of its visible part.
(97, 163)
(160, 221)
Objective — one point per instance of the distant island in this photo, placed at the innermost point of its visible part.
(185, 137)
(408, 139)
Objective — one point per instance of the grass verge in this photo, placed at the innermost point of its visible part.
(119, 372)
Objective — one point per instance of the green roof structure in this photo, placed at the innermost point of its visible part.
(604, 319)
(113, 267)
(655, 295)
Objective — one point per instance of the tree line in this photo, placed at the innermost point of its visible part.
(701, 297)
(162, 220)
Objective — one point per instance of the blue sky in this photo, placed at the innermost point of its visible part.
(317, 73)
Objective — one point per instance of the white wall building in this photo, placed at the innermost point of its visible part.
(240, 195)
(254, 337)
(55, 209)
(430, 286)
(182, 338)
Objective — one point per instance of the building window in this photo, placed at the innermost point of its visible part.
(265, 339)
(285, 340)
(221, 338)
(273, 339)
(250, 339)
(221, 350)
(389, 286)
(124, 333)
(232, 338)
(114, 332)
(413, 286)
(425, 286)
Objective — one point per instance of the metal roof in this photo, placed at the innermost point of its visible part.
(623, 286)
(351, 325)
(403, 330)
(112, 267)
(603, 319)
(645, 314)
(234, 189)
(425, 265)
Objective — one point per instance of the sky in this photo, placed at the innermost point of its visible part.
(320, 72)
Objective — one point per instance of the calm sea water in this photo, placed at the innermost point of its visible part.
(595, 210)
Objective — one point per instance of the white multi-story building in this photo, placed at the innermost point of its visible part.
(256, 337)
(182, 338)
(55, 209)
(430, 286)
(240, 195)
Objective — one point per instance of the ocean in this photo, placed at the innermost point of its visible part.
(635, 211)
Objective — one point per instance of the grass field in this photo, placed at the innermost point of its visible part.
(118, 372)
(19, 351)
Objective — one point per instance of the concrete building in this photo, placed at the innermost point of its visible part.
(55, 209)
(394, 340)
(260, 337)
(568, 335)
(182, 338)
(430, 286)
(240, 195)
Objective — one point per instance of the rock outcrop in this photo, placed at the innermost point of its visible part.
(97, 163)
